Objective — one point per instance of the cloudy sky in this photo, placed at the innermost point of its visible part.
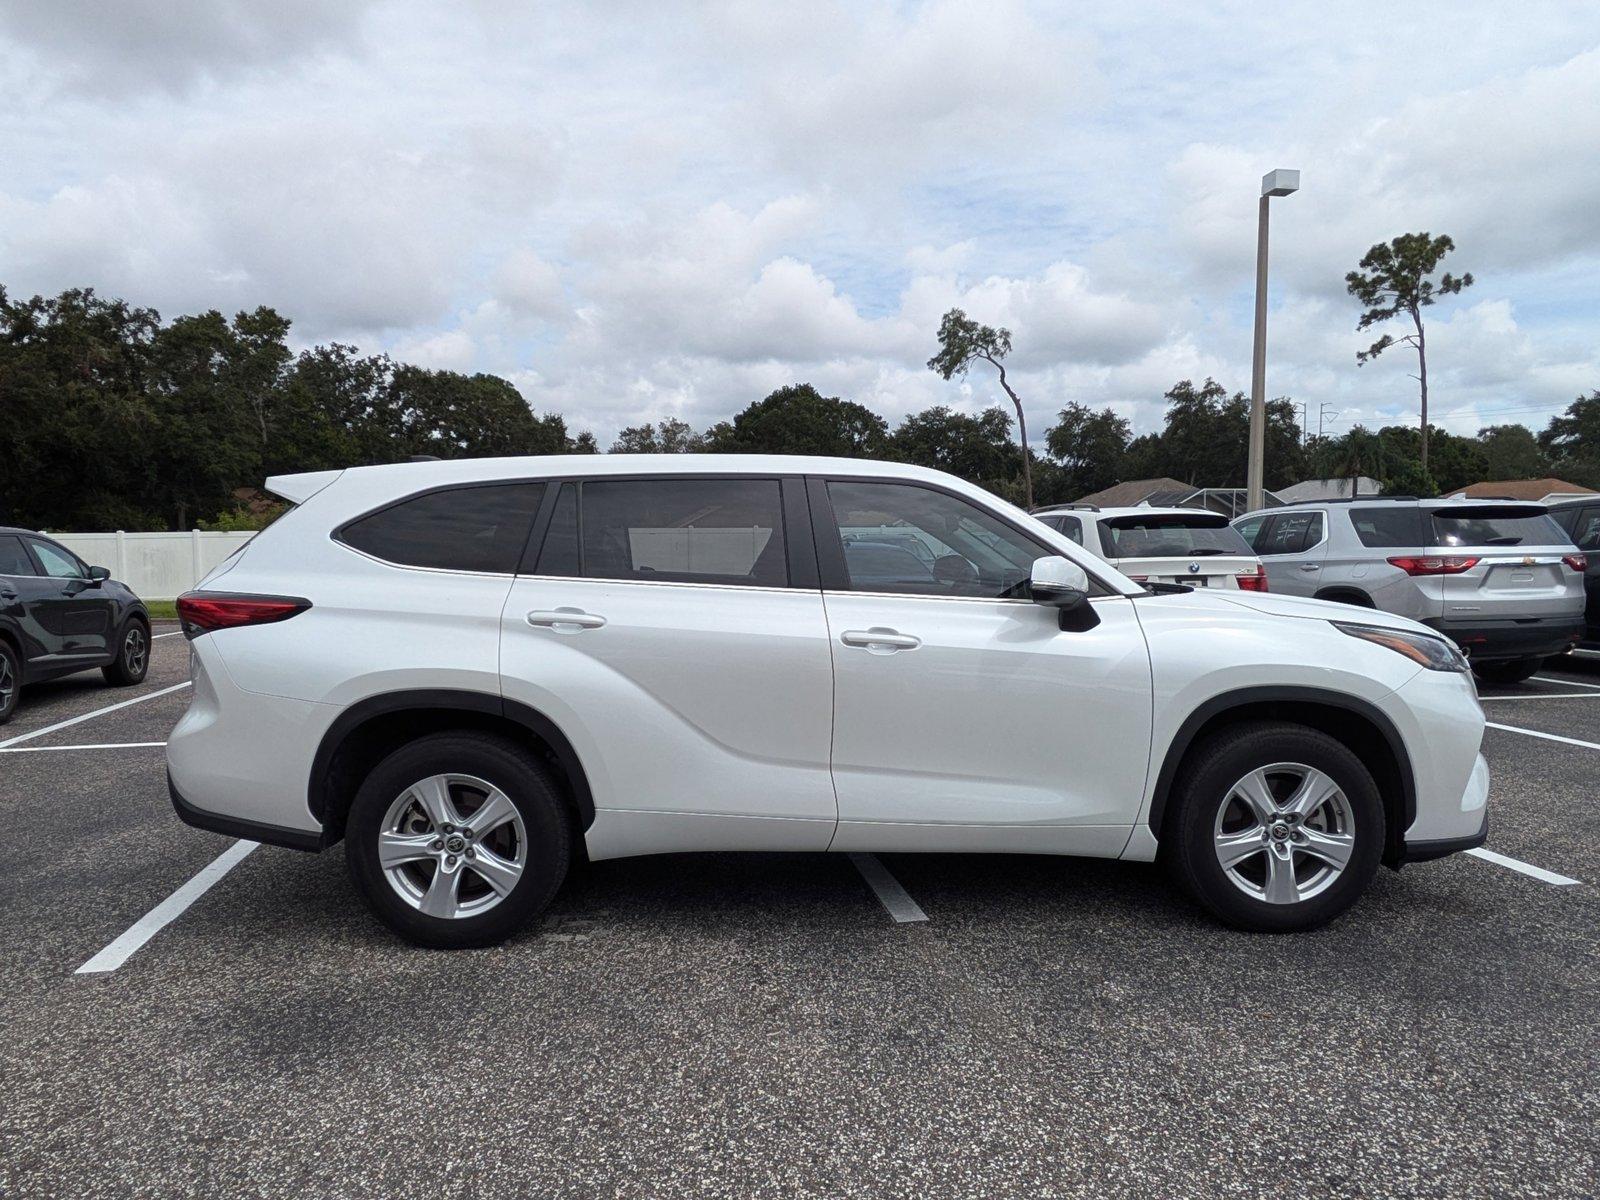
(638, 210)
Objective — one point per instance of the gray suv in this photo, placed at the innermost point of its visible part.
(1501, 578)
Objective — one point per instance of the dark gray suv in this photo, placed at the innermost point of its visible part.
(1501, 578)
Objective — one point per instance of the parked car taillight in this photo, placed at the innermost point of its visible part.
(1434, 565)
(1253, 581)
(201, 612)
(1578, 562)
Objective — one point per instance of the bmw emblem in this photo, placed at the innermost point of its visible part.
(1194, 568)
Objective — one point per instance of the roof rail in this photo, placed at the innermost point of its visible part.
(1066, 508)
(424, 458)
(1345, 500)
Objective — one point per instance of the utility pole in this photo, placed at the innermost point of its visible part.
(1273, 183)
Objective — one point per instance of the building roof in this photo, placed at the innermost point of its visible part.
(1132, 491)
(1328, 489)
(1523, 489)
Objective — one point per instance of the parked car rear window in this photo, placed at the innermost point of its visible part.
(474, 528)
(1388, 526)
(1170, 536)
(1495, 529)
(727, 531)
(14, 558)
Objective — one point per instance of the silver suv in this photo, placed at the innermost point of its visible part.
(1500, 578)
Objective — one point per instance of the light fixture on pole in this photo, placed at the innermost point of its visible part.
(1273, 183)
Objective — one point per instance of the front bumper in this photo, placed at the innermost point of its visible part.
(1512, 637)
(1427, 850)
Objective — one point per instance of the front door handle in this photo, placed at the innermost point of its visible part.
(1311, 566)
(565, 620)
(879, 640)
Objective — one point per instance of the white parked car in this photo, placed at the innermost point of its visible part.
(473, 671)
(1191, 546)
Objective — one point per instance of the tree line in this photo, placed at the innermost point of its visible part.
(111, 418)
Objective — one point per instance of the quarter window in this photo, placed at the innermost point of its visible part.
(14, 558)
(719, 531)
(902, 538)
(1388, 528)
(57, 563)
(477, 528)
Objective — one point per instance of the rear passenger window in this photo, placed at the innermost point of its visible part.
(475, 528)
(1586, 530)
(720, 531)
(1292, 533)
(1387, 527)
(14, 558)
(1072, 527)
(1250, 530)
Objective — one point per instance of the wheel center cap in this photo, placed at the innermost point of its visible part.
(455, 843)
(1280, 832)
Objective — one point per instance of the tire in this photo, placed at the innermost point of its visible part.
(1254, 894)
(10, 681)
(1510, 671)
(526, 837)
(132, 663)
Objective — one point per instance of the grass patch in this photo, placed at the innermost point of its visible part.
(162, 609)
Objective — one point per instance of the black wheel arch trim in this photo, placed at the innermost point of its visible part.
(1244, 697)
(256, 831)
(447, 698)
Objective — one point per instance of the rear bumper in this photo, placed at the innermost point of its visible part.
(255, 831)
(1514, 637)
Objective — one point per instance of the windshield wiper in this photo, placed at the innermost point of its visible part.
(1503, 541)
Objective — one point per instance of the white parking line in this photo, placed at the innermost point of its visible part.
(163, 914)
(1549, 737)
(99, 712)
(1513, 864)
(1548, 696)
(1565, 682)
(892, 896)
(174, 633)
(88, 746)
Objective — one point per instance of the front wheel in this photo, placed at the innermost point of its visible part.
(1514, 671)
(1278, 828)
(10, 681)
(132, 663)
(457, 840)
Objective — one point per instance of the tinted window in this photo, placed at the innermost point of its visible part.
(1250, 529)
(1388, 527)
(1290, 533)
(1586, 530)
(898, 537)
(14, 558)
(1072, 527)
(559, 555)
(1486, 527)
(1170, 536)
(683, 530)
(482, 528)
(57, 562)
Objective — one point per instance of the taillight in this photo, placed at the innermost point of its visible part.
(1578, 562)
(202, 612)
(1434, 565)
(1253, 581)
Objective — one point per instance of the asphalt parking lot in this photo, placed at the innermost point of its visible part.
(761, 1025)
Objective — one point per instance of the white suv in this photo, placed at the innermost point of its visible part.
(1194, 547)
(474, 671)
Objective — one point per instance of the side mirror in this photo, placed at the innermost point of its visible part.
(1064, 586)
(99, 574)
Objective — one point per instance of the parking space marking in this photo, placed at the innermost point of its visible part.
(1513, 864)
(1565, 682)
(1548, 696)
(1549, 737)
(86, 746)
(99, 712)
(174, 633)
(889, 892)
(163, 914)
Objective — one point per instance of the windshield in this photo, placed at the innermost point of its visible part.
(1489, 529)
(1181, 536)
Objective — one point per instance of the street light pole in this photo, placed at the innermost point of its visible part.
(1273, 183)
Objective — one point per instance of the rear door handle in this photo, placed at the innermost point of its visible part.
(565, 620)
(1311, 566)
(879, 640)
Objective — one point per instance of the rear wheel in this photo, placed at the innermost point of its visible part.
(133, 655)
(1278, 828)
(457, 839)
(10, 681)
(1513, 671)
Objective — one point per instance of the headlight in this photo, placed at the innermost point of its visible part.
(1434, 653)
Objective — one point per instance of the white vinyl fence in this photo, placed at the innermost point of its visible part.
(157, 566)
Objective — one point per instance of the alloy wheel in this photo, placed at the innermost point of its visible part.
(8, 683)
(452, 846)
(1284, 833)
(135, 650)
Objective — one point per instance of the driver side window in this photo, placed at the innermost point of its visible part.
(57, 562)
(906, 539)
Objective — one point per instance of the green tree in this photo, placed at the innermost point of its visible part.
(977, 448)
(467, 416)
(1572, 441)
(799, 420)
(962, 341)
(1090, 446)
(1512, 452)
(669, 436)
(1394, 280)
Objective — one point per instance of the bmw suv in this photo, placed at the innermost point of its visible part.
(476, 672)
(1500, 578)
(1190, 546)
